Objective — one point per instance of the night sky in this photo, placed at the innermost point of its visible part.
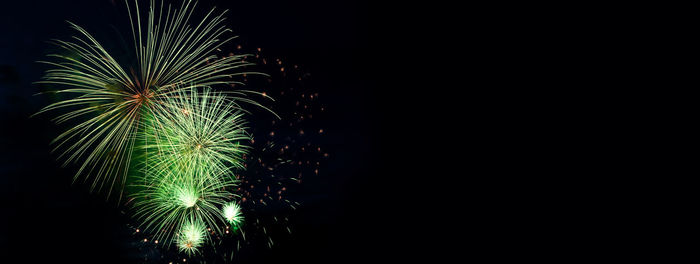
(343, 217)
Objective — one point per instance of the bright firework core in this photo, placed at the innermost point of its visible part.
(187, 196)
(232, 213)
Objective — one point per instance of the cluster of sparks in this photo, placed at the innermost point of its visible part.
(182, 153)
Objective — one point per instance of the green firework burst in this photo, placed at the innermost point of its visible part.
(190, 144)
(108, 104)
(193, 130)
(164, 203)
(191, 235)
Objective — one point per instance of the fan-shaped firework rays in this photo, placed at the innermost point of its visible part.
(193, 130)
(109, 104)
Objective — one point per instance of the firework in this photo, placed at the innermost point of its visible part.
(191, 235)
(190, 144)
(167, 201)
(108, 103)
(232, 213)
(195, 131)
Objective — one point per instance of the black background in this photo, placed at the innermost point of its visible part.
(44, 218)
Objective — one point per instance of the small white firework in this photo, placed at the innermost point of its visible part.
(232, 213)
